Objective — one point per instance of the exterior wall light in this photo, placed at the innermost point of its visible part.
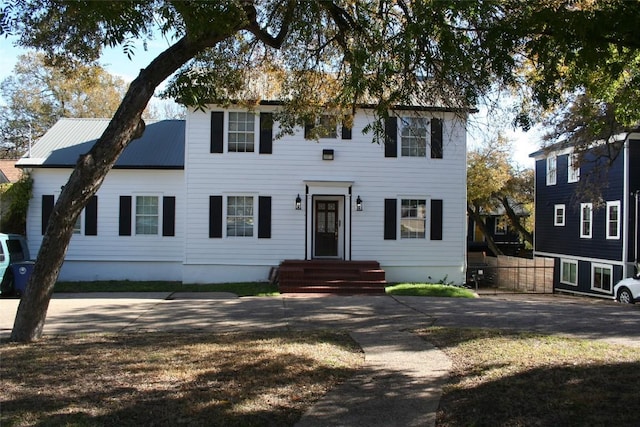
(298, 203)
(359, 204)
(327, 154)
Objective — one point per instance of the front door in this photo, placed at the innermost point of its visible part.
(326, 228)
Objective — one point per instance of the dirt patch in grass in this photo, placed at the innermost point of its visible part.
(259, 379)
(502, 378)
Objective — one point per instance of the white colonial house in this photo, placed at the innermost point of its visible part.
(217, 198)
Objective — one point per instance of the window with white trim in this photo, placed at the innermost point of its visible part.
(552, 170)
(586, 220)
(573, 172)
(414, 137)
(242, 130)
(413, 218)
(569, 272)
(77, 227)
(328, 127)
(613, 220)
(147, 215)
(240, 218)
(601, 277)
(559, 215)
(501, 225)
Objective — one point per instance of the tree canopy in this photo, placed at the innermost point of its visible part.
(39, 93)
(386, 53)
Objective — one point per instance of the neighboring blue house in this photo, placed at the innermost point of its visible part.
(594, 242)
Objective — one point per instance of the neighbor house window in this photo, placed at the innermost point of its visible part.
(327, 127)
(601, 277)
(414, 137)
(240, 218)
(573, 174)
(613, 220)
(558, 215)
(241, 132)
(77, 227)
(569, 272)
(586, 220)
(502, 225)
(552, 169)
(147, 215)
(413, 218)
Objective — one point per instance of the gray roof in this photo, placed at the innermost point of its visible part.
(160, 147)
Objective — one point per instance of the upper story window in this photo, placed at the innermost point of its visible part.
(77, 227)
(558, 215)
(613, 220)
(573, 172)
(414, 137)
(147, 215)
(501, 226)
(586, 220)
(327, 127)
(240, 219)
(413, 217)
(552, 170)
(241, 135)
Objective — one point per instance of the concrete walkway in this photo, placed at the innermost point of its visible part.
(400, 384)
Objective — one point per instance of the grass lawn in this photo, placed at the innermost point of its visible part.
(502, 378)
(193, 379)
(248, 289)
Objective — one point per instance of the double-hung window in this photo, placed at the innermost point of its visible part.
(586, 220)
(241, 135)
(569, 272)
(414, 137)
(558, 215)
(552, 170)
(413, 218)
(613, 220)
(147, 216)
(573, 173)
(601, 277)
(240, 218)
(327, 127)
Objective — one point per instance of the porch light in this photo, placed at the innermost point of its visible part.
(358, 204)
(298, 203)
(327, 154)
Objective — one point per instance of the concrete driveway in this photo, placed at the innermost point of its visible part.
(114, 312)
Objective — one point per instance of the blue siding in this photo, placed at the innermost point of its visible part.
(634, 185)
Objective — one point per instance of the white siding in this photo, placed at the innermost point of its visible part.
(108, 255)
(294, 163)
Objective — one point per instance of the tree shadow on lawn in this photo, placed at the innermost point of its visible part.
(169, 379)
(508, 378)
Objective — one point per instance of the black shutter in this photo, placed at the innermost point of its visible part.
(391, 137)
(436, 139)
(217, 131)
(266, 133)
(308, 127)
(346, 131)
(47, 208)
(169, 216)
(91, 217)
(390, 219)
(264, 217)
(436, 219)
(125, 216)
(215, 216)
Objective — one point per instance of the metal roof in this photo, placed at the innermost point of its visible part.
(160, 147)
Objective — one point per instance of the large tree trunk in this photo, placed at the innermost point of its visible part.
(515, 221)
(87, 177)
(477, 218)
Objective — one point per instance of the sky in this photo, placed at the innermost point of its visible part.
(117, 63)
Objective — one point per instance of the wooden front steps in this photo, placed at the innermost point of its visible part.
(331, 276)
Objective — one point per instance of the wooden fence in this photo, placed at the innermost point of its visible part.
(520, 274)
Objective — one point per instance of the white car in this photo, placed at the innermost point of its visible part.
(627, 290)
